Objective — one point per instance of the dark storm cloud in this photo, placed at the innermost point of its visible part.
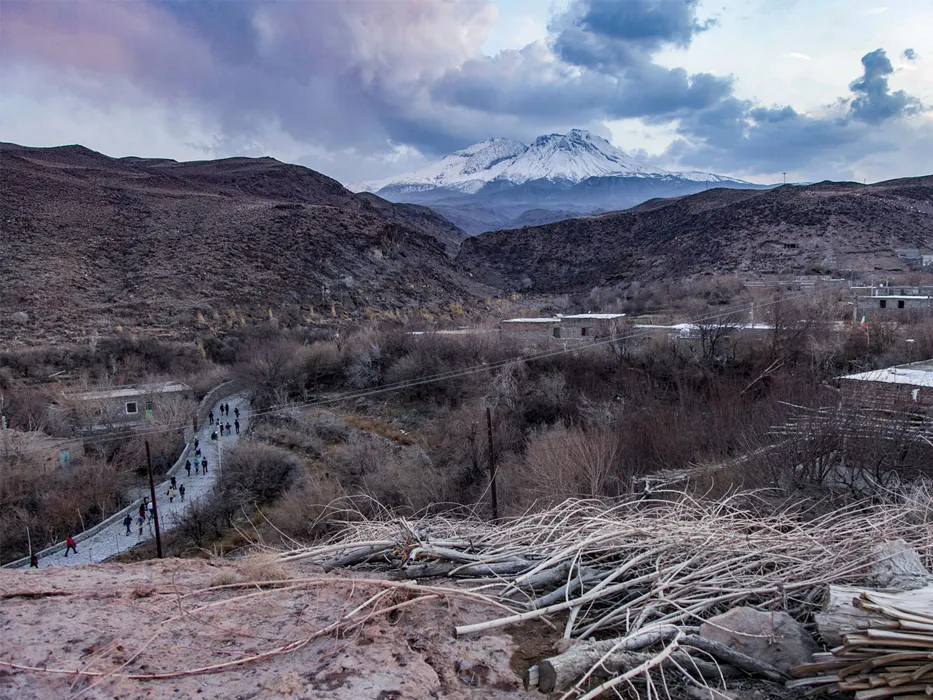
(735, 132)
(609, 36)
(359, 78)
(910, 54)
(874, 102)
(606, 68)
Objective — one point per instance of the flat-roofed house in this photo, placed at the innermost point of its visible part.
(903, 387)
(35, 447)
(123, 407)
(587, 326)
(529, 325)
(894, 305)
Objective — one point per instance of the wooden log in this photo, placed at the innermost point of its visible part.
(562, 671)
(355, 556)
(435, 569)
(840, 616)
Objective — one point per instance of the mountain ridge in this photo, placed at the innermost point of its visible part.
(570, 174)
(93, 243)
(790, 229)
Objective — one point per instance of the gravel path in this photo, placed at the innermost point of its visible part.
(113, 539)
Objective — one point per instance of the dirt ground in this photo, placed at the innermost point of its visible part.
(118, 621)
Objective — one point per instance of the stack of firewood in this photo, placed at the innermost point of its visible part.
(889, 653)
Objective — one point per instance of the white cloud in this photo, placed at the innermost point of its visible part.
(800, 56)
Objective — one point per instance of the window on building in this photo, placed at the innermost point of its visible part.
(883, 304)
(64, 458)
(900, 303)
(556, 331)
(148, 406)
(131, 407)
(583, 330)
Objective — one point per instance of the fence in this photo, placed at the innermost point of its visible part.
(204, 407)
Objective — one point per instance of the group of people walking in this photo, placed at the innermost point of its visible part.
(221, 426)
(145, 512)
(200, 462)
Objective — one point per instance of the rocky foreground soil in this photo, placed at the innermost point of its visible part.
(145, 629)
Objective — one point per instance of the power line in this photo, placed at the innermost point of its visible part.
(452, 374)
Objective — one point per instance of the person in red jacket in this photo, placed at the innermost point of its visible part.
(70, 544)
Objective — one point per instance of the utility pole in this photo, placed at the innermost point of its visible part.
(155, 509)
(492, 467)
(785, 178)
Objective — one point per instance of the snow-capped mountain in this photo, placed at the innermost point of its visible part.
(497, 180)
(464, 171)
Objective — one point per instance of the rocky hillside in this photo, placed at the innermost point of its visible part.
(790, 229)
(92, 243)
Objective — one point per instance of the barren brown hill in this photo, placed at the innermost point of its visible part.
(790, 229)
(90, 243)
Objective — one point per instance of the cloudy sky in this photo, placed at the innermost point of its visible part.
(363, 89)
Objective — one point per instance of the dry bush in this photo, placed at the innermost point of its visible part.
(271, 367)
(226, 576)
(56, 504)
(562, 462)
(262, 565)
(309, 509)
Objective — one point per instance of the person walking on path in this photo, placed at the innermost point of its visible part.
(174, 485)
(210, 417)
(33, 561)
(181, 492)
(197, 464)
(197, 444)
(149, 509)
(236, 412)
(236, 424)
(128, 521)
(70, 545)
(171, 494)
(228, 428)
(141, 521)
(214, 435)
(204, 465)
(142, 507)
(188, 467)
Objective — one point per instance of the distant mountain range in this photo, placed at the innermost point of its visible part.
(829, 227)
(500, 183)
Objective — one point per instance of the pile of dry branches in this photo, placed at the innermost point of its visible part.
(891, 656)
(644, 572)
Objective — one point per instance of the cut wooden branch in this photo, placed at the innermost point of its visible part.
(564, 670)
(841, 616)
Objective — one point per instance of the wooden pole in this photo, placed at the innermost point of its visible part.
(492, 467)
(29, 540)
(155, 509)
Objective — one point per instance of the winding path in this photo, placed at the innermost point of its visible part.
(113, 539)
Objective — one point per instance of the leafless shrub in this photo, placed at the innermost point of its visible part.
(258, 566)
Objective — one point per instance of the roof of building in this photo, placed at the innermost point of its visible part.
(530, 320)
(897, 296)
(128, 391)
(915, 374)
(13, 441)
(597, 317)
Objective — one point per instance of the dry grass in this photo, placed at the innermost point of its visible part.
(262, 565)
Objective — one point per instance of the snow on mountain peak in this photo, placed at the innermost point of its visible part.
(574, 156)
(571, 157)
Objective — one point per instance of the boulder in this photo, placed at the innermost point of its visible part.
(898, 567)
(773, 637)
